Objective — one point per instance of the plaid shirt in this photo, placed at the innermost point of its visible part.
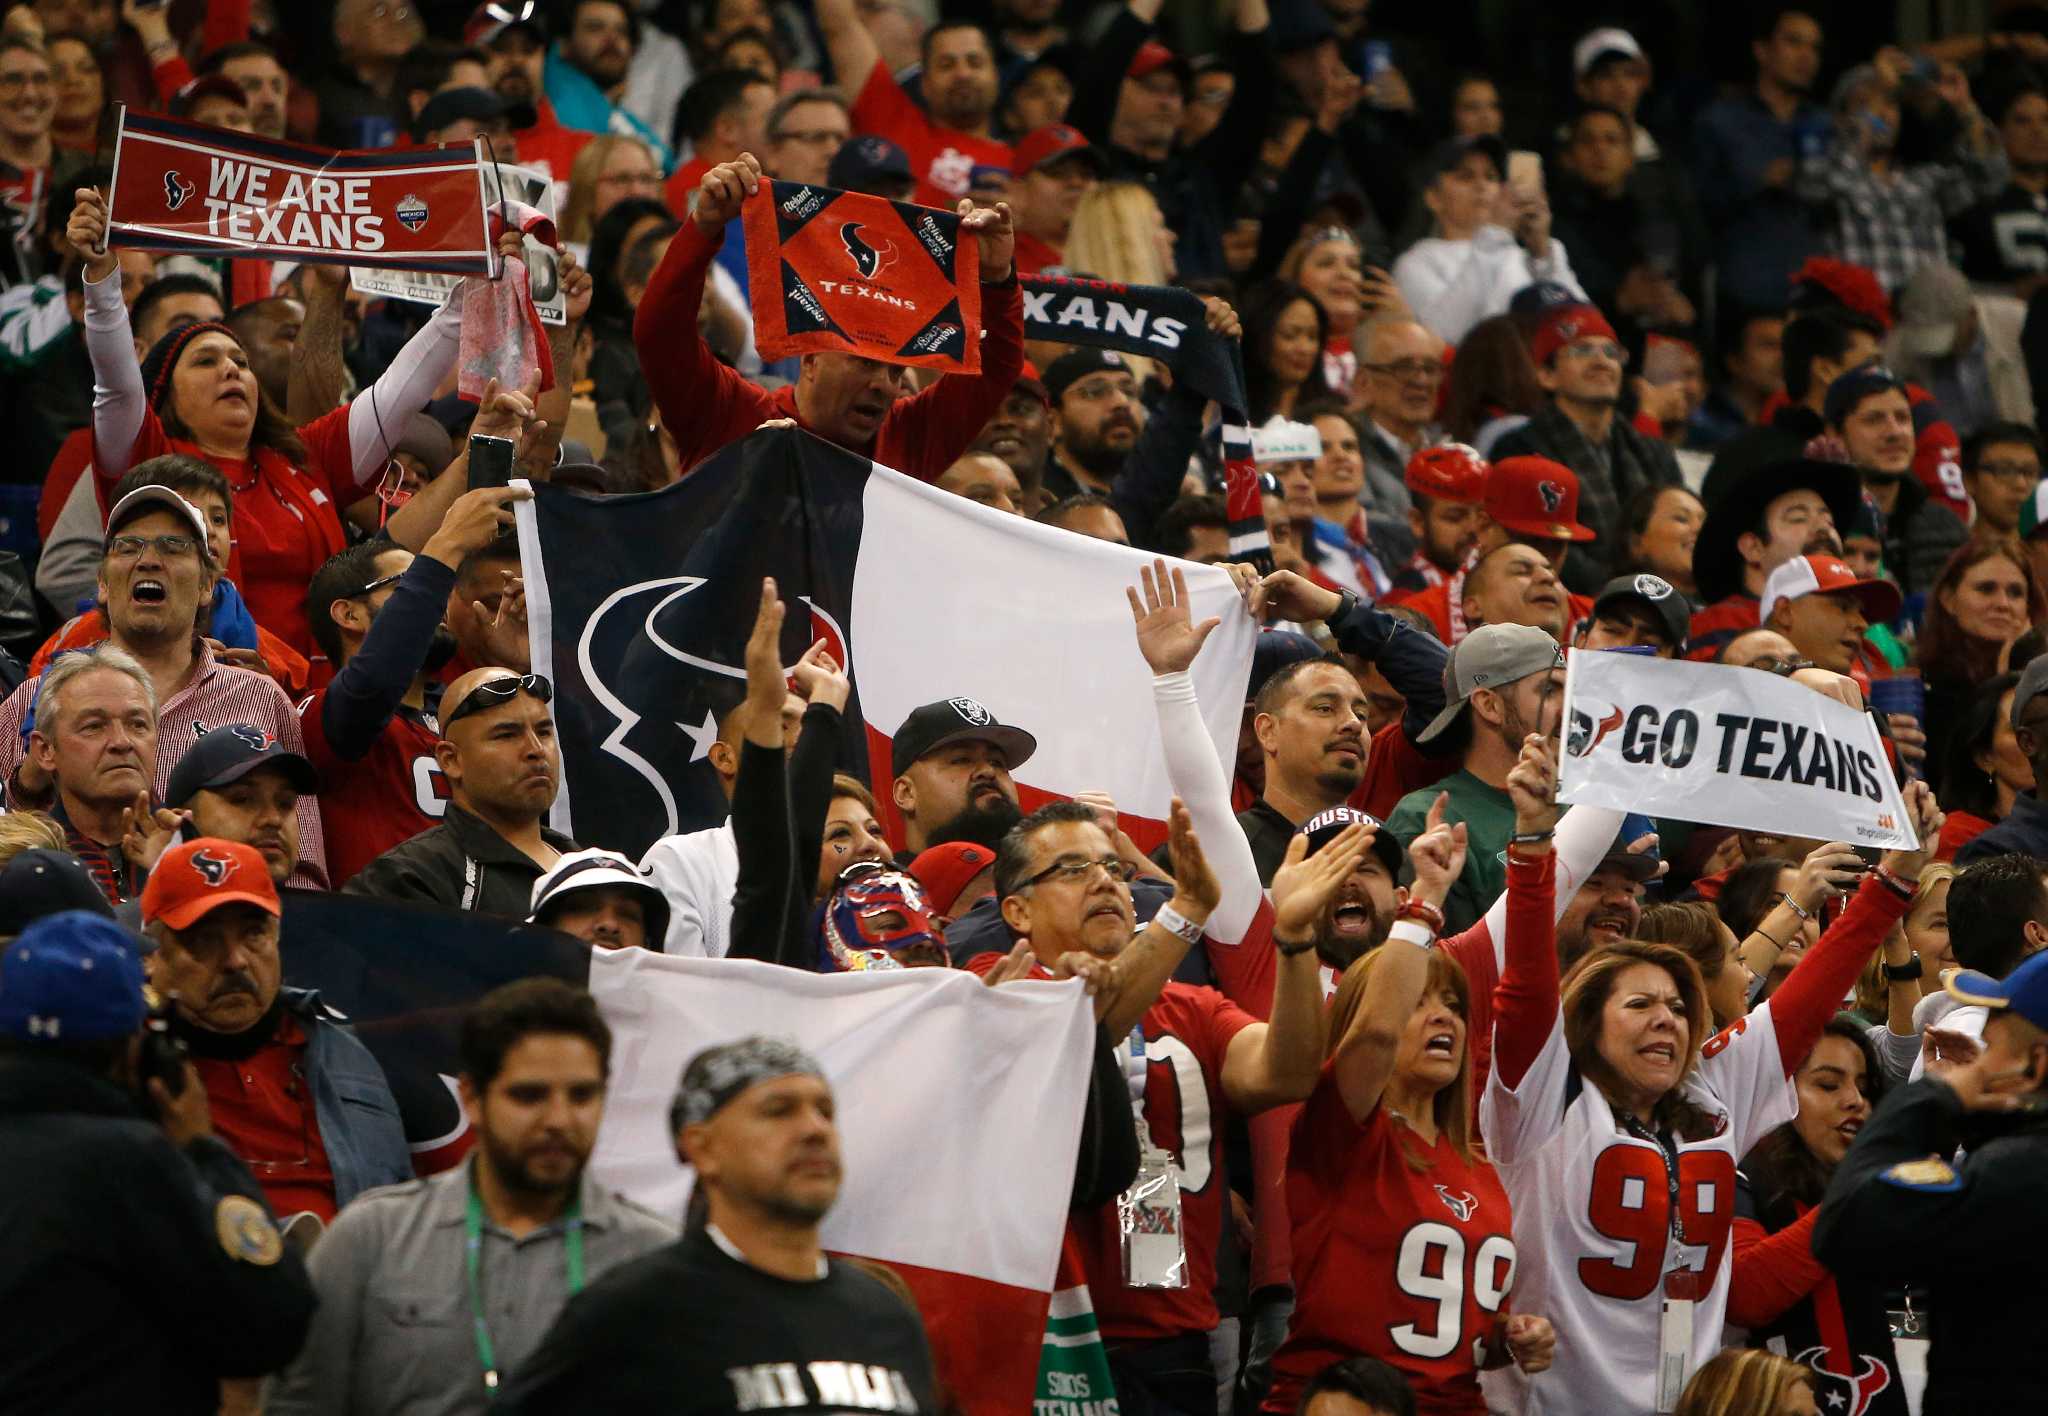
(1895, 224)
(217, 695)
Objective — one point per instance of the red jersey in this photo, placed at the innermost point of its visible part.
(941, 158)
(263, 1112)
(389, 795)
(1187, 1032)
(287, 520)
(1410, 1266)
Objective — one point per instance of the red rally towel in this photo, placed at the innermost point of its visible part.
(502, 337)
(840, 272)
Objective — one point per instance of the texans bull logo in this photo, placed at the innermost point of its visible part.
(256, 739)
(1850, 1395)
(1588, 727)
(177, 191)
(213, 869)
(1464, 1204)
(1552, 494)
(868, 260)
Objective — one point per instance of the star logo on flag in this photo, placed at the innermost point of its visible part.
(701, 736)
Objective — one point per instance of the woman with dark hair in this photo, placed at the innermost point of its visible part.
(1615, 1117)
(1284, 334)
(1662, 525)
(81, 121)
(624, 222)
(1384, 1146)
(195, 393)
(1982, 767)
(1712, 946)
(1777, 1288)
(1983, 618)
(1493, 388)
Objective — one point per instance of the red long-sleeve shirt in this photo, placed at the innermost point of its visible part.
(705, 405)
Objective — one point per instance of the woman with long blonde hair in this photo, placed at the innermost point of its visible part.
(610, 168)
(1615, 1115)
(1403, 1243)
(1118, 233)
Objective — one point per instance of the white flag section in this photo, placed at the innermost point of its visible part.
(952, 599)
(959, 1111)
(1726, 746)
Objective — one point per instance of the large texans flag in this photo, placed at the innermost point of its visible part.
(639, 609)
(959, 1105)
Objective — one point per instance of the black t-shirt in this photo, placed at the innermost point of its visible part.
(690, 1331)
(2006, 238)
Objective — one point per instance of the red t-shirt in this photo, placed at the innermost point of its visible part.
(388, 795)
(263, 1111)
(941, 158)
(1410, 1266)
(285, 526)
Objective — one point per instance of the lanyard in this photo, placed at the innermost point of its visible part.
(473, 1227)
(1668, 1148)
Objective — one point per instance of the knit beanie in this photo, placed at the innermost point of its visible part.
(162, 359)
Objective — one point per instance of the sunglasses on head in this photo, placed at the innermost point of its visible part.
(498, 692)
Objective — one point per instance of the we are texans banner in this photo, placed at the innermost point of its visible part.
(842, 272)
(1726, 746)
(182, 186)
(945, 1088)
(639, 607)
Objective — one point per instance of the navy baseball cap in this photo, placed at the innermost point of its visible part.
(228, 754)
(71, 977)
(1325, 826)
(1542, 295)
(44, 882)
(866, 161)
(1077, 364)
(2023, 991)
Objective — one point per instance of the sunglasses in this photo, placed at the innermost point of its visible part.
(498, 692)
(374, 586)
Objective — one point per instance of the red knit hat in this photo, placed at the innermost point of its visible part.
(162, 359)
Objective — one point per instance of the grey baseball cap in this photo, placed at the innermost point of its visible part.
(2033, 680)
(1492, 656)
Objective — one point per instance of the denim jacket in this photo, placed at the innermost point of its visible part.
(352, 1102)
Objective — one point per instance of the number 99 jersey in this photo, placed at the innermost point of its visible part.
(1410, 1265)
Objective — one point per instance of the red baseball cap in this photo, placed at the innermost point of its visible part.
(1536, 497)
(198, 877)
(944, 871)
(1567, 324)
(1028, 377)
(1449, 472)
(1049, 144)
(1819, 575)
(1152, 56)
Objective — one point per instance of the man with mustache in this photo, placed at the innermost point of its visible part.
(498, 754)
(293, 1093)
(536, 1058)
(750, 1293)
(239, 783)
(376, 612)
(1580, 364)
(1762, 517)
(1868, 409)
(1508, 682)
(1020, 433)
(952, 762)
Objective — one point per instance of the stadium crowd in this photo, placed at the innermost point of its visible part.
(1695, 336)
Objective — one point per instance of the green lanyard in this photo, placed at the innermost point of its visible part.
(473, 1256)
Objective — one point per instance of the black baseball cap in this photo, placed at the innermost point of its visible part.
(1452, 151)
(864, 163)
(477, 104)
(950, 720)
(1663, 600)
(46, 882)
(1324, 826)
(230, 753)
(1077, 364)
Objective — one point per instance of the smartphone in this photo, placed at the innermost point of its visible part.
(1525, 170)
(1664, 360)
(490, 462)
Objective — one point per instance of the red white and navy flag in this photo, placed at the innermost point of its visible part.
(960, 1105)
(182, 186)
(639, 609)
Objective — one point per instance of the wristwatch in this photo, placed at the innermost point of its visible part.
(1347, 601)
(1903, 973)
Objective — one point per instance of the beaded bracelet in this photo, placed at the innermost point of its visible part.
(1905, 889)
(1422, 912)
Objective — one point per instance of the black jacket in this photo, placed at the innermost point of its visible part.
(120, 1289)
(1976, 1235)
(461, 864)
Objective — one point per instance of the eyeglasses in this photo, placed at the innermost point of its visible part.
(2011, 471)
(1411, 370)
(10, 82)
(391, 12)
(1071, 871)
(1597, 348)
(647, 180)
(374, 586)
(497, 692)
(810, 137)
(170, 547)
(1779, 665)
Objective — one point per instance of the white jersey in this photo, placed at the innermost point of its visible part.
(1592, 1213)
(696, 873)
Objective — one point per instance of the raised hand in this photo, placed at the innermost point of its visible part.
(1438, 854)
(505, 641)
(505, 412)
(1193, 881)
(1293, 597)
(996, 230)
(1015, 965)
(1927, 820)
(1166, 636)
(87, 233)
(723, 189)
(1304, 883)
(820, 679)
(474, 520)
(766, 687)
(1828, 870)
(147, 834)
(577, 286)
(1532, 785)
